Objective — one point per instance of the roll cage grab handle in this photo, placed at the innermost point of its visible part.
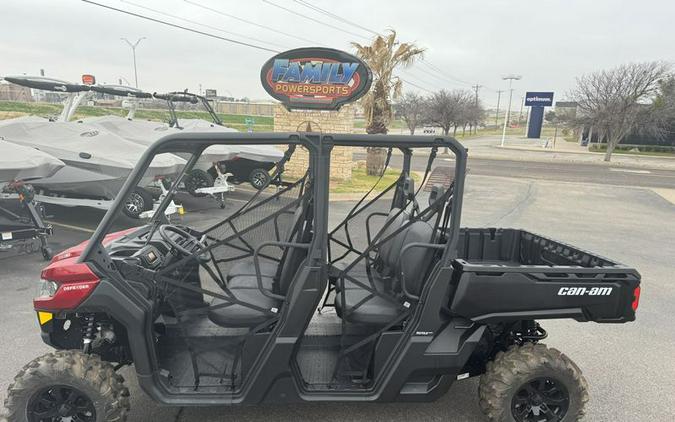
(195, 143)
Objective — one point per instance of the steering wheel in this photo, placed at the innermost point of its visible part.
(188, 247)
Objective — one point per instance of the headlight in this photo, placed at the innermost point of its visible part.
(46, 288)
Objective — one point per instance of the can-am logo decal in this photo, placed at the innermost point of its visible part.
(584, 291)
(315, 78)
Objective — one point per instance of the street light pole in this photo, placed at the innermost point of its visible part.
(499, 97)
(133, 49)
(510, 78)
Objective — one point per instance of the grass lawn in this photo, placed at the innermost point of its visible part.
(11, 109)
(361, 182)
(603, 148)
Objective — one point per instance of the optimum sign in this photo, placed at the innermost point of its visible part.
(315, 78)
(540, 99)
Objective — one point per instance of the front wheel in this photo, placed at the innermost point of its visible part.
(67, 385)
(532, 383)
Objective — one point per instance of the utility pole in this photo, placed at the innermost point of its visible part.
(499, 97)
(509, 78)
(476, 87)
(133, 49)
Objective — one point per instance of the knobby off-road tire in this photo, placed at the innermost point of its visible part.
(87, 374)
(198, 179)
(512, 370)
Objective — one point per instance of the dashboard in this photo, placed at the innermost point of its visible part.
(151, 254)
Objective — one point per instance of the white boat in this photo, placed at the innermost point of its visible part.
(20, 163)
(97, 161)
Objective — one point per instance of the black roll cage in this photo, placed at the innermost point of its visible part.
(319, 147)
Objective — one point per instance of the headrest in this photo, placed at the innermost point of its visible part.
(408, 186)
(436, 192)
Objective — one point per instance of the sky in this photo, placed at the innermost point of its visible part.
(467, 42)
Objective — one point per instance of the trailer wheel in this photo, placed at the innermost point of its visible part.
(138, 201)
(47, 253)
(259, 178)
(197, 179)
(67, 385)
(532, 383)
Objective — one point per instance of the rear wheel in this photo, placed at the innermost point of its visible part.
(67, 386)
(198, 179)
(138, 201)
(532, 383)
(259, 178)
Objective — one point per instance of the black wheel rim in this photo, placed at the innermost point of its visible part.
(135, 204)
(60, 403)
(259, 178)
(542, 399)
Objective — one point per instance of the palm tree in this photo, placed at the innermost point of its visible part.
(383, 56)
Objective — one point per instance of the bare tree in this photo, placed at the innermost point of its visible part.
(612, 100)
(473, 114)
(447, 109)
(411, 108)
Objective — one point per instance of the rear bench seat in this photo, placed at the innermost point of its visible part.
(362, 306)
(381, 268)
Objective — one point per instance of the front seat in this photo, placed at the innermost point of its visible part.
(268, 269)
(245, 288)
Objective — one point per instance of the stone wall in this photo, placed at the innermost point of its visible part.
(341, 121)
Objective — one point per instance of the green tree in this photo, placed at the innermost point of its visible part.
(384, 55)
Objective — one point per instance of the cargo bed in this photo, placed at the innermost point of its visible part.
(510, 274)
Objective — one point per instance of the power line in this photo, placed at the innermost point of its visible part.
(198, 23)
(418, 80)
(334, 16)
(196, 31)
(296, 13)
(435, 75)
(343, 30)
(220, 12)
(416, 86)
(447, 76)
(356, 25)
(441, 72)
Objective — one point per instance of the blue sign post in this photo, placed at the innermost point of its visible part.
(537, 101)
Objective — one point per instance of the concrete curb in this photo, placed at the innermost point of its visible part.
(534, 155)
(602, 154)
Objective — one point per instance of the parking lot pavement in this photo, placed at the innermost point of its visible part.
(630, 368)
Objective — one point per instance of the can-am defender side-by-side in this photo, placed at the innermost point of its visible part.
(272, 303)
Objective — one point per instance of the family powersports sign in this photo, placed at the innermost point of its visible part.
(315, 78)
